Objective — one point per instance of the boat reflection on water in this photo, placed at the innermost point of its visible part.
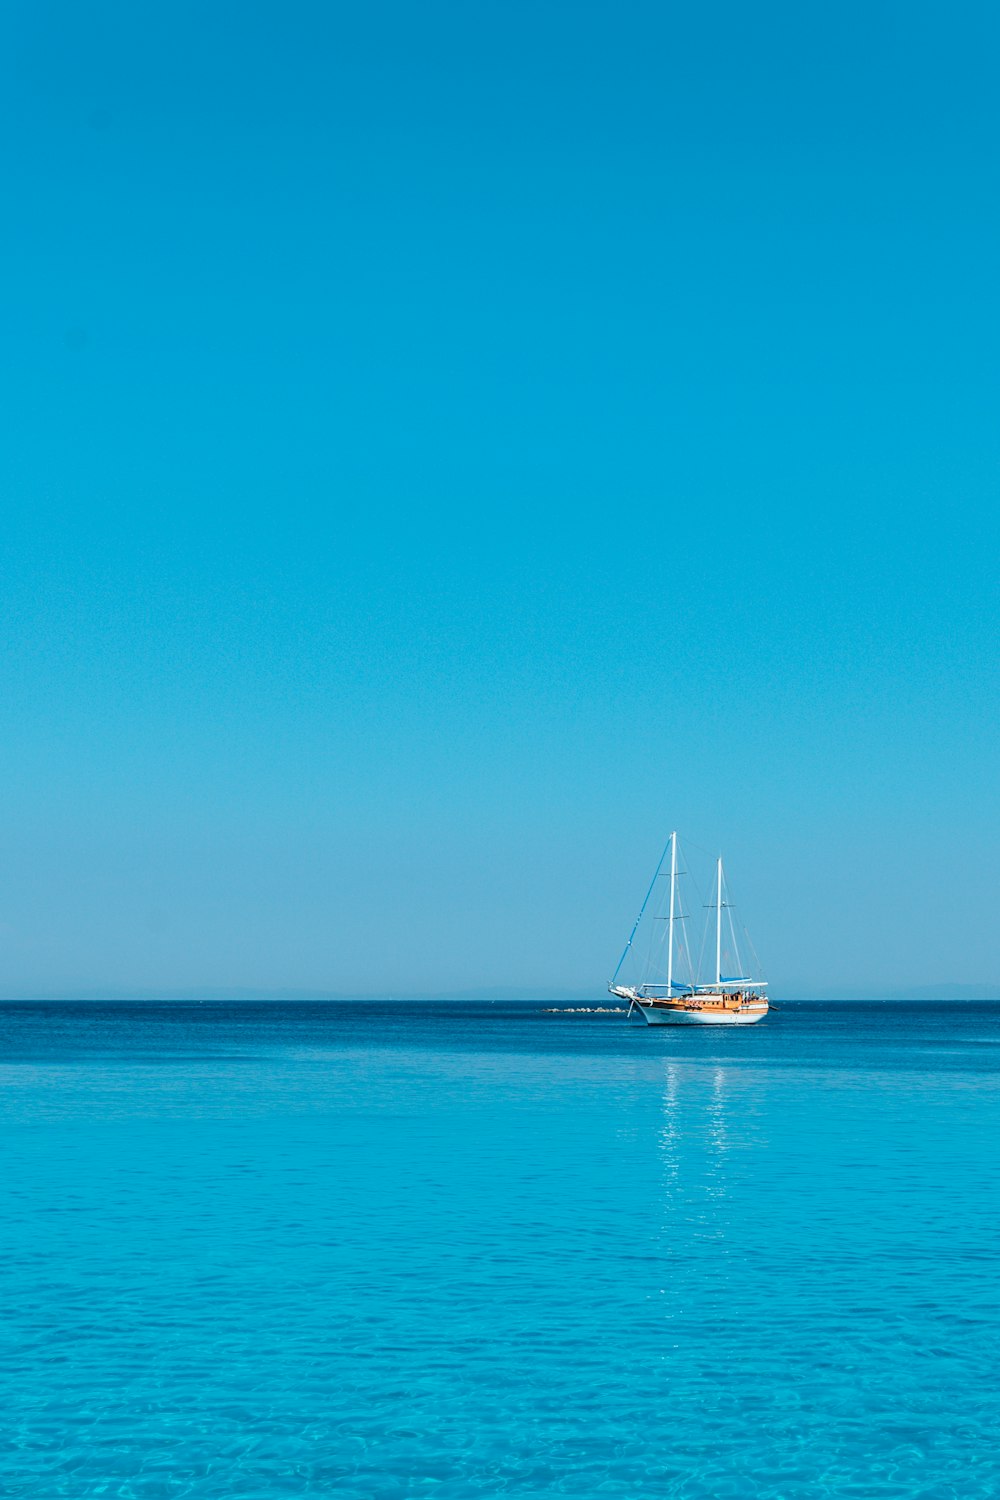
(697, 1129)
(712, 1142)
(718, 1122)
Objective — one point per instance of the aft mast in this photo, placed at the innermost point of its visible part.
(670, 924)
(718, 926)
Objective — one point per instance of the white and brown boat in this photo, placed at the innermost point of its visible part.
(733, 1000)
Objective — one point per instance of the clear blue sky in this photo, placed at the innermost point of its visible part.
(447, 446)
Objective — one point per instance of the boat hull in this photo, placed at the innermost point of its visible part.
(657, 1015)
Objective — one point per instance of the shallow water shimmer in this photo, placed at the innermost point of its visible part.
(475, 1250)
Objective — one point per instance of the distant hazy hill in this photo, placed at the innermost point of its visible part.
(942, 991)
(949, 992)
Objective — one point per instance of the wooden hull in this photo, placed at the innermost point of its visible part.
(702, 1015)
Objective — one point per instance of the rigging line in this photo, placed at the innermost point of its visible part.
(708, 853)
(701, 953)
(683, 933)
(660, 937)
(641, 910)
(696, 975)
(692, 971)
(732, 933)
(655, 962)
(687, 955)
(758, 966)
(644, 948)
(647, 964)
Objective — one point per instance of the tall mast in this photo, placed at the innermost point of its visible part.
(718, 926)
(670, 928)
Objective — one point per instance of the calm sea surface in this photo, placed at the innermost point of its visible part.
(472, 1250)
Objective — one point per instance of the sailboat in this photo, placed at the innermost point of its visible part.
(734, 1000)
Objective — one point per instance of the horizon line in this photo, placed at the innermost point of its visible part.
(514, 994)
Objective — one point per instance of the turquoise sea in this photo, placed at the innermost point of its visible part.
(455, 1250)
